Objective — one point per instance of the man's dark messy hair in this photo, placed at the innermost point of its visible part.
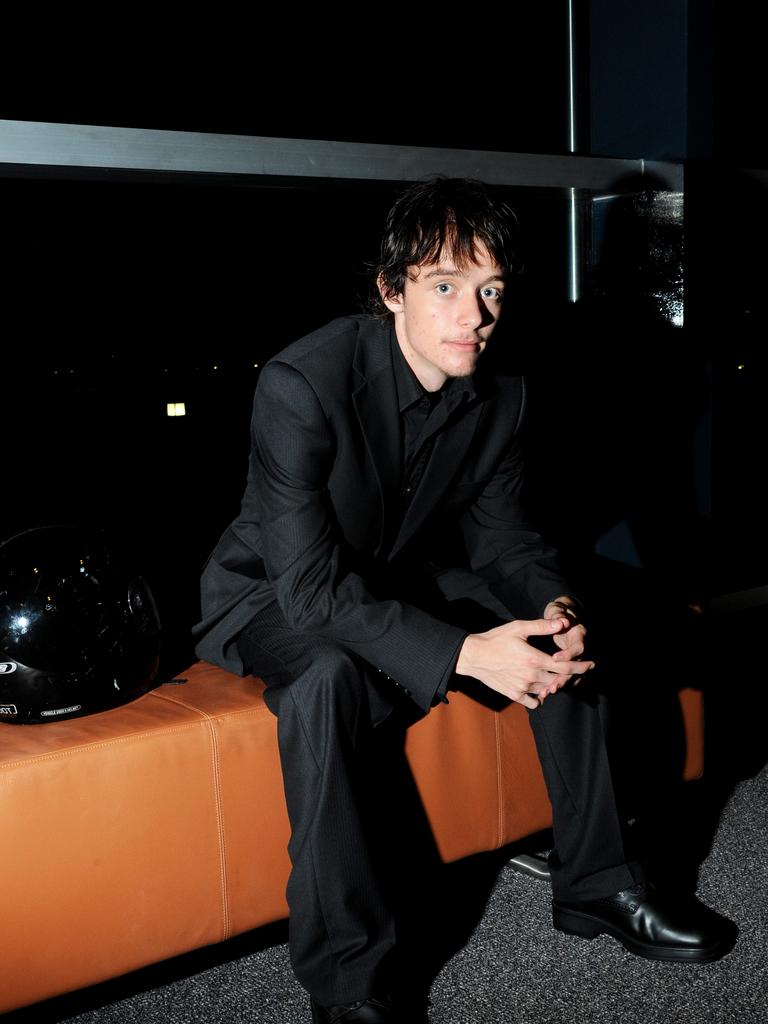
(453, 214)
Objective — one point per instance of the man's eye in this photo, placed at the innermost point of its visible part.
(492, 293)
(444, 289)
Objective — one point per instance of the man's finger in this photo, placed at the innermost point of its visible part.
(540, 627)
(567, 668)
(552, 690)
(569, 653)
(529, 700)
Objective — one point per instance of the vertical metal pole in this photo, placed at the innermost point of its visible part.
(574, 224)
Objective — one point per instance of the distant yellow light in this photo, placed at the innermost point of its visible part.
(741, 366)
(176, 409)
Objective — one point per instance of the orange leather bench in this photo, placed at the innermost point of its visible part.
(144, 832)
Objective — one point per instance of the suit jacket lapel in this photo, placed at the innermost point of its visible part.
(375, 402)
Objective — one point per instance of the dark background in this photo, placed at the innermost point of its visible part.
(122, 296)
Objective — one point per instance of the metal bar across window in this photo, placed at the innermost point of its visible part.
(78, 150)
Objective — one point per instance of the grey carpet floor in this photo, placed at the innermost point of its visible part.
(516, 968)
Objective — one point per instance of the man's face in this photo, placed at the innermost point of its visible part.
(445, 316)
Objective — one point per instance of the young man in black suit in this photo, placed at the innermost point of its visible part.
(385, 490)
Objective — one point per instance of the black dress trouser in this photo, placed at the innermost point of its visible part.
(328, 703)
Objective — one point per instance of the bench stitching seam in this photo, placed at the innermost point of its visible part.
(216, 766)
(499, 784)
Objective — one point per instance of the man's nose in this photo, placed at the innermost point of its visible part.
(471, 311)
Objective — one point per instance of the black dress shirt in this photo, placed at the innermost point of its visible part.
(422, 415)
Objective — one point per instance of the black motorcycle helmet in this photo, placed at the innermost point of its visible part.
(78, 633)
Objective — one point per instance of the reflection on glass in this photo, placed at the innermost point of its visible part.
(637, 250)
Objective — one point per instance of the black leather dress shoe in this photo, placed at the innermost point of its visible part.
(365, 1011)
(649, 925)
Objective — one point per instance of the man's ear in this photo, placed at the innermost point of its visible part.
(392, 300)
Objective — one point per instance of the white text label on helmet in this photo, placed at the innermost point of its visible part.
(8, 709)
(6, 667)
(61, 711)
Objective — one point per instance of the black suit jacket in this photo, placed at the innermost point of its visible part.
(321, 528)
